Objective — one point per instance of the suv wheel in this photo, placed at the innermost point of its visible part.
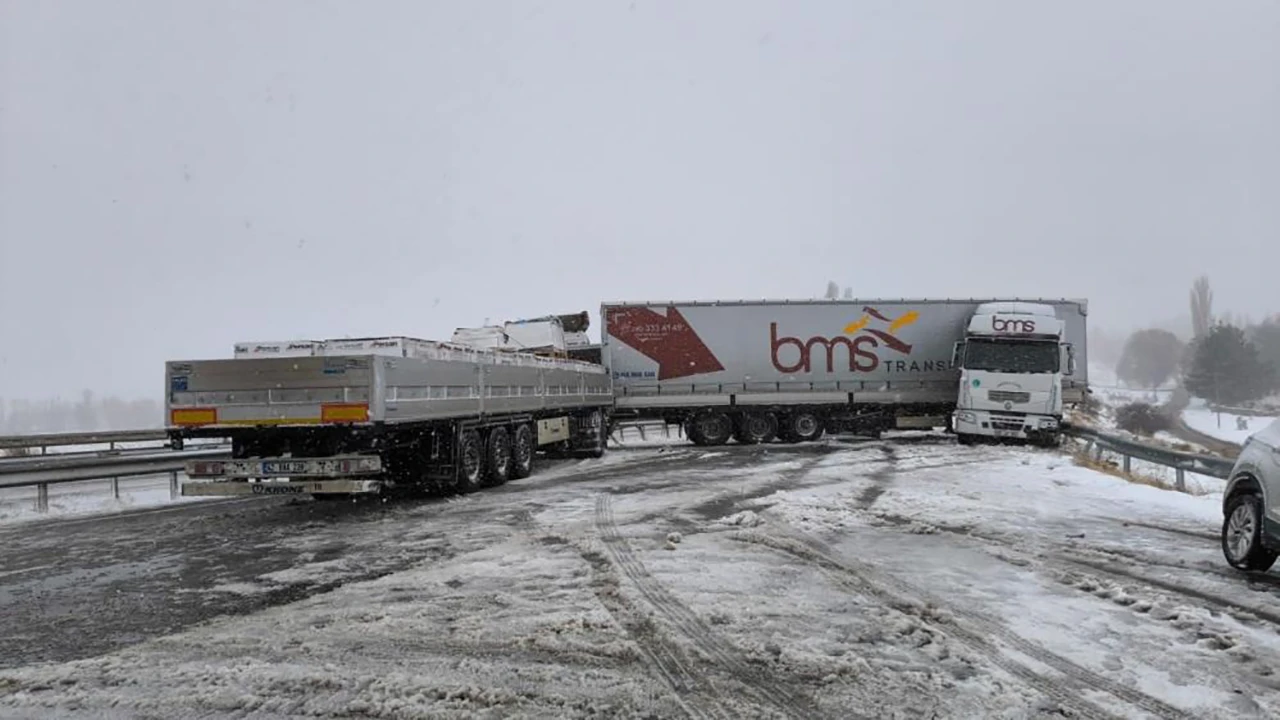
(1242, 534)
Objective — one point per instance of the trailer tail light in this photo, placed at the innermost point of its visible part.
(344, 412)
(206, 469)
(193, 416)
(361, 465)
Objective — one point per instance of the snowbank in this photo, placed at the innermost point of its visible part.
(1232, 428)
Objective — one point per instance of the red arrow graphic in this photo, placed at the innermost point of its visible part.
(668, 341)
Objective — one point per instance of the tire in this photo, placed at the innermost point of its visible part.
(804, 426)
(497, 457)
(596, 449)
(757, 427)
(470, 462)
(966, 439)
(710, 428)
(1048, 442)
(1242, 538)
(523, 449)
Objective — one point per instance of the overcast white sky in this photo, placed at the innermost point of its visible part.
(177, 176)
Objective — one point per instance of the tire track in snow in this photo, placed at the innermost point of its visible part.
(973, 630)
(691, 692)
(759, 685)
(1059, 558)
(881, 478)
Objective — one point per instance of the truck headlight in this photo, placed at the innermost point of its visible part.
(966, 416)
(1048, 422)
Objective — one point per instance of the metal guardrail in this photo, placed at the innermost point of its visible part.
(46, 470)
(48, 440)
(1129, 450)
(1248, 412)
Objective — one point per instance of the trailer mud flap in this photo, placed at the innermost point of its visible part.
(301, 487)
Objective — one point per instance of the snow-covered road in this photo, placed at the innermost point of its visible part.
(900, 578)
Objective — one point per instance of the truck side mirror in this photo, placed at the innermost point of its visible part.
(957, 353)
(1071, 358)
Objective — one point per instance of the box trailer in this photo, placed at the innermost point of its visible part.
(795, 368)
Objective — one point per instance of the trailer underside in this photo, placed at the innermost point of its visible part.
(429, 458)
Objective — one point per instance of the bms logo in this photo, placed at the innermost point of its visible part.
(858, 343)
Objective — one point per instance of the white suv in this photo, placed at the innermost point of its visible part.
(1251, 504)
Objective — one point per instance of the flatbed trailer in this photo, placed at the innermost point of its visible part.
(405, 417)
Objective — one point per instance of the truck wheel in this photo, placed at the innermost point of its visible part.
(597, 447)
(470, 462)
(522, 451)
(966, 439)
(710, 428)
(805, 426)
(757, 427)
(498, 457)
(1242, 534)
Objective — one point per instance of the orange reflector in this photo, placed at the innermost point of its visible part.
(353, 412)
(194, 416)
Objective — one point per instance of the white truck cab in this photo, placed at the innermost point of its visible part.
(1012, 361)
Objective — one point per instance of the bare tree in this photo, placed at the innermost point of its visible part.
(1201, 307)
(848, 293)
(833, 290)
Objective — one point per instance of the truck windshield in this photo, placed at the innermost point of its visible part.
(1012, 356)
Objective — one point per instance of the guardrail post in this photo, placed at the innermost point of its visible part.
(641, 429)
(42, 497)
(1181, 479)
(1128, 466)
(173, 485)
(115, 488)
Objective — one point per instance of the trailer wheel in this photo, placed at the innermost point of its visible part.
(498, 456)
(710, 428)
(522, 452)
(807, 426)
(596, 421)
(757, 427)
(470, 461)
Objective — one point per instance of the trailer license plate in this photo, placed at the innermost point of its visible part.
(284, 467)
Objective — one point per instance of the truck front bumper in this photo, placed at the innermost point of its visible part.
(1005, 424)
(224, 488)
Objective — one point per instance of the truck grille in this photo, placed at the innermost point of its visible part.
(1008, 396)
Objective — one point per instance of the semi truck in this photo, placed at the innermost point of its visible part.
(1017, 371)
(386, 415)
(791, 370)
(397, 415)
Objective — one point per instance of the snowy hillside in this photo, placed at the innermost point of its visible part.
(1223, 426)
